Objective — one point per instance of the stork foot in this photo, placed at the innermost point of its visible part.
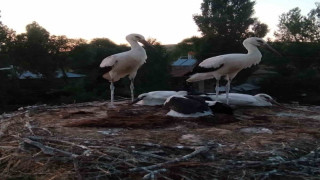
(111, 106)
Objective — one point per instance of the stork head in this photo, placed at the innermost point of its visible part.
(266, 98)
(259, 42)
(138, 38)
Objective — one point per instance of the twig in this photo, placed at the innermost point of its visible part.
(266, 175)
(171, 147)
(47, 149)
(89, 150)
(183, 158)
(76, 168)
(152, 174)
(151, 155)
(106, 172)
(28, 125)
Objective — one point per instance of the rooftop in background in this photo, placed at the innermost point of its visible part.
(184, 61)
(183, 65)
(30, 75)
(59, 74)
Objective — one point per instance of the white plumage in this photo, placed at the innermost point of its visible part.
(236, 99)
(229, 65)
(155, 98)
(126, 63)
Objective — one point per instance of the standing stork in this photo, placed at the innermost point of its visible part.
(126, 63)
(229, 65)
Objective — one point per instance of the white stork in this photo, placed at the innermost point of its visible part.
(229, 65)
(126, 63)
(237, 99)
(155, 98)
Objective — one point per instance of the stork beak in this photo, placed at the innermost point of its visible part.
(267, 46)
(275, 102)
(145, 43)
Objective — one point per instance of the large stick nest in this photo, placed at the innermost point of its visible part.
(92, 141)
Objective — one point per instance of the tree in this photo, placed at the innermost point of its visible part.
(225, 24)
(7, 36)
(294, 27)
(259, 29)
(32, 51)
(59, 48)
(193, 44)
(154, 74)
(229, 19)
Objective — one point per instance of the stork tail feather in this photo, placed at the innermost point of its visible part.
(137, 100)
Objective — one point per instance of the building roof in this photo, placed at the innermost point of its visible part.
(184, 61)
(30, 75)
(183, 65)
(69, 75)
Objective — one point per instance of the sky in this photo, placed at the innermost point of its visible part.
(168, 21)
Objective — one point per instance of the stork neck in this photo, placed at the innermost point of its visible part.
(251, 49)
(133, 44)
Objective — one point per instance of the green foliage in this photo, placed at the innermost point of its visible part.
(6, 39)
(154, 74)
(229, 19)
(294, 27)
(298, 71)
(193, 44)
(31, 51)
(224, 24)
(259, 29)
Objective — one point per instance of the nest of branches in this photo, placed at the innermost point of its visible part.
(91, 141)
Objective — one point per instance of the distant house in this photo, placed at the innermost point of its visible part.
(59, 74)
(179, 68)
(183, 65)
(30, 75)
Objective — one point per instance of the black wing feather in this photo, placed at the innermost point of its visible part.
(196, 98)
(199, 69)
(186, 106)
(221, 108)
(103, 70)
(137, 99)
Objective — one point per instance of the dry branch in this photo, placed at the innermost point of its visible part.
(183, 158)
(47, 149)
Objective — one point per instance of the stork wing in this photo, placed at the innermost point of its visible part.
(238, 99)
(108, 61)
(213, 62)
(208, 65)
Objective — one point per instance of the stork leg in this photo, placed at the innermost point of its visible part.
(227, 90)
(217, 89)
(132, 88)
(112, 94)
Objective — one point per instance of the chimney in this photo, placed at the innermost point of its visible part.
(190, 54)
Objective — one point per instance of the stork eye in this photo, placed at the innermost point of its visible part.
(137, 37)
(260, 41)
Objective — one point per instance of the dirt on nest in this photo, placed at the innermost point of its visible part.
(93, 141)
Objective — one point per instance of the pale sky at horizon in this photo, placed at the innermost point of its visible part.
(168, 21)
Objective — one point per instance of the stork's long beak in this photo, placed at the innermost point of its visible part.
(267, 46)
(145, 43)
(275, 102)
